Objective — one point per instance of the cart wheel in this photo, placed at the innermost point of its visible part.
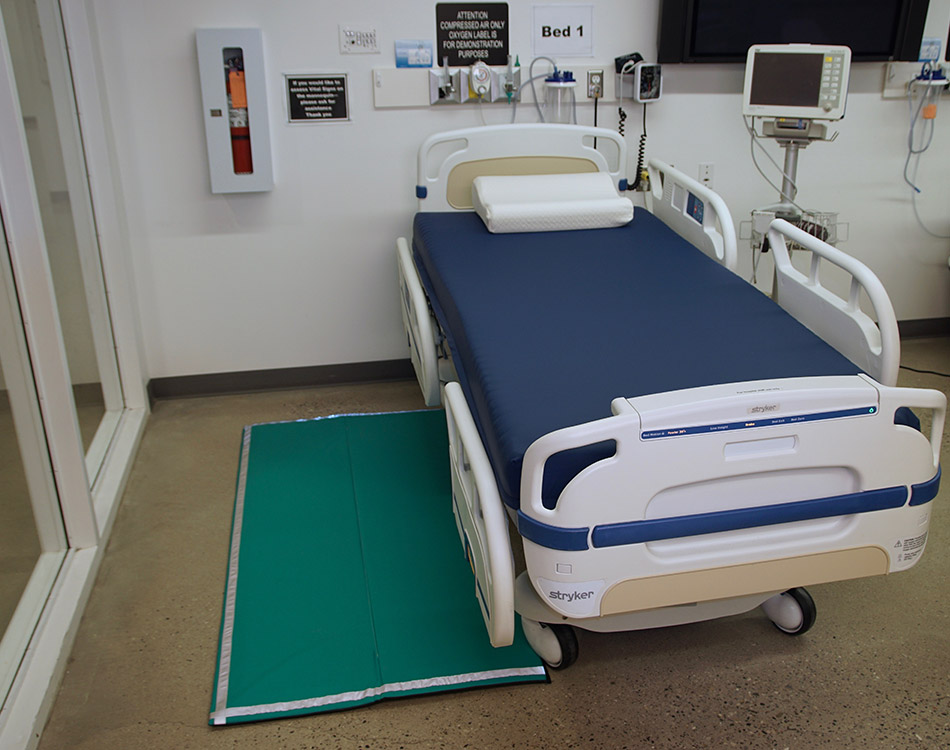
(792, 612)
(556, 644)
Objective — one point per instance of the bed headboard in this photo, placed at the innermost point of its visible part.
(448, 162)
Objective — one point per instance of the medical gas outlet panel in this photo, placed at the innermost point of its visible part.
(475, 82)
(471, 84)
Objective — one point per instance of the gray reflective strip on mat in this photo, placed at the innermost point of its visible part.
(221, 715)
(227, 627)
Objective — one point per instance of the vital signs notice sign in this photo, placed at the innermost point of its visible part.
(467, 32)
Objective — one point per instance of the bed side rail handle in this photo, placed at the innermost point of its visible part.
(875, 347)
(924, 398)
(492, 537)
(418, 324)
(622, 427)
(669, 200)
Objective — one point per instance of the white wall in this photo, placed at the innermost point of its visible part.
(304, 275)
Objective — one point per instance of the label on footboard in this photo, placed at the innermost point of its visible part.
(907, 551)
(572, 598)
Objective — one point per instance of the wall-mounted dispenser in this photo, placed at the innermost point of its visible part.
(234, 96)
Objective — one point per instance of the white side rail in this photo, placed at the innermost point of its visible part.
(481, 518)
(693, 211)
(418, 324)
(874, 347)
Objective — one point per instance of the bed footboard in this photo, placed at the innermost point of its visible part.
(732, 490)
(693, 211)
(874, 347)
(481, 519)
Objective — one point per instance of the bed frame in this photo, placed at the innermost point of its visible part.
(813, 480)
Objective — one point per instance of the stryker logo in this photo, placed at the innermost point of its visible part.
(764, 408)
(570, 596)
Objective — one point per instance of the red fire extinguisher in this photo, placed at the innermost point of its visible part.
(237, 116)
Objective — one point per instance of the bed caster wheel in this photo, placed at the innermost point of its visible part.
(792, 612)
(555, 644)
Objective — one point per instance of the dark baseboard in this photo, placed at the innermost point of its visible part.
(214, 384)
(918, 329)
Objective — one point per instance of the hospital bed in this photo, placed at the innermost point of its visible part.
(671, 444)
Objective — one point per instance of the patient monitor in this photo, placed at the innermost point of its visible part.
(795, 89)
(796, 81)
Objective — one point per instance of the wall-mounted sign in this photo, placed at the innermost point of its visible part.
(321, 97)
(468, 32)
(413, 53)
(562, 30)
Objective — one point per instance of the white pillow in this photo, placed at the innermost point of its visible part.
(549, 203)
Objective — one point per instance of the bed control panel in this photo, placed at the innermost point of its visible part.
(745, 406)
(695, 208)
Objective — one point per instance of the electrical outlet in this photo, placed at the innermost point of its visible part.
(706, 174)
(355, 41)
(595, 84)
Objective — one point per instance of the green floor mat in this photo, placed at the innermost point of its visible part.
(346, 580)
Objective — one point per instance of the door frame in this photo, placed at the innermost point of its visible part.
(88, 512)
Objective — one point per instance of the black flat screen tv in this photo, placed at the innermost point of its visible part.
(698, 31)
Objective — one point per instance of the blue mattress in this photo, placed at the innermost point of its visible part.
(547, 328)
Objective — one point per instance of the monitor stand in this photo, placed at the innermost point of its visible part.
(792, 135)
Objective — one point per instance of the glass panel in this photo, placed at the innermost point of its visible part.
(19, 542)
(45, 93)
(32, 539)
(237, 110)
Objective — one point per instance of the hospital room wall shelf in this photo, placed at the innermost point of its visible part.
(409, 87)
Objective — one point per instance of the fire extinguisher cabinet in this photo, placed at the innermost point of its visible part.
(234, 95)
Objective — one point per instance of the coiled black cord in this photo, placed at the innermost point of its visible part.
(642, 149)
(623, 117)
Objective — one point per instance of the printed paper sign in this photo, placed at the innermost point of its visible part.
(563, 30)
(414, 53)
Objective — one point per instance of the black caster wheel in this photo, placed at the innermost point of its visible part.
(555, 644)
(792, 612)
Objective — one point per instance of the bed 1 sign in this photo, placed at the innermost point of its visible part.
(468, 32)
(317, 98)
(563, 30)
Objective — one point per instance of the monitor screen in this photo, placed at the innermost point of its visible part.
(722, 30)
(730, 27)
(790, 79)
(805, 81)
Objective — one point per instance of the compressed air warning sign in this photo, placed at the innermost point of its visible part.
(468, 32)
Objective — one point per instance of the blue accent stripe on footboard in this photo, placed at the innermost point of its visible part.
(925, 491)
(552, 537)
(637, 532)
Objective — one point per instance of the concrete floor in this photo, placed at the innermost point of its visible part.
(874, 672)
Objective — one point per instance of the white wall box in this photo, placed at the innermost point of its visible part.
(234, 96)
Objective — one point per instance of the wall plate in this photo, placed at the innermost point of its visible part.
(358, 41)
